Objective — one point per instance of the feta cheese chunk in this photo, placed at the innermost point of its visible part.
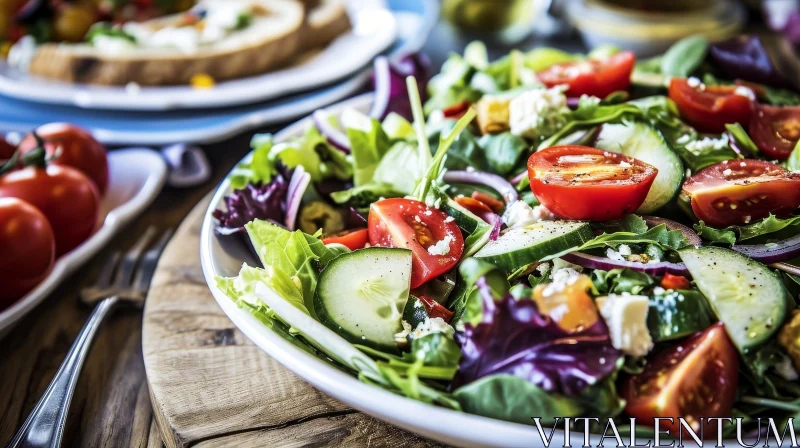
(442, 247)
(537, 112)
(745, 92)
(430, 326)
(626, 317)
(520, 214)
(561, 279)
(698, 147)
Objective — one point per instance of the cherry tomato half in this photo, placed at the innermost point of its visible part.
(578, 182)
(695, 378)
(742, 191)
(591, 77)
(64, 195)
(435, 240)
(75, 148)
(775, 130)
(353, 239)
(675, 282)
(29, 249)
(435, 309)
(710, 108)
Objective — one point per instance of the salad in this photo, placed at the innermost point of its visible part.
(547, 235)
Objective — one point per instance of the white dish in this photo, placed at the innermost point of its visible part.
(374, 30)
(437, 423)
(136, 177)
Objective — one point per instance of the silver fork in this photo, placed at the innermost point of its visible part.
(122, 281)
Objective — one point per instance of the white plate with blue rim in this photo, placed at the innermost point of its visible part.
(374, 29)
(415, 19)
(136, 176)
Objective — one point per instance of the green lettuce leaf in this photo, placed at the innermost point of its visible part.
(259, 169)
(658, 236)
(368, 148)
(299, 255)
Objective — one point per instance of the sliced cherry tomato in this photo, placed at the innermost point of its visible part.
(73, 147)
(675, 282)
(710, 108)
(775, 130)
(571, 307)
(64, 195)
(578, 182)
(478, 208)
(695, 378)
(457, 110)
(29, 249)
(435, 241)
(436, 309)
(353, 239)
(591, 77)
(742, 191)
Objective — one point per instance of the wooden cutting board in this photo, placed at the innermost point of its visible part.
(211, 386)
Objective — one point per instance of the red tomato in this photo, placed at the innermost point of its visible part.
(742, 191)
(495, 204)
(775, 130)
(591, 77)
(710, 108)
(29, 249)
(578, 182)
(353, 239)
(675, 282)
(478, 208)
(413, 225)
(75, 148)
(695, 378)
(65, 196)
(436, 309)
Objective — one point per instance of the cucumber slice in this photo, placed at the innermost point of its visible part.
(361, 295)
(677, 314)
(525, 245)
(744, 294)
(465, 219)
(642, 141)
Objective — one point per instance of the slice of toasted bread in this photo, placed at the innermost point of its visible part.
(324, 23)
(270, 41)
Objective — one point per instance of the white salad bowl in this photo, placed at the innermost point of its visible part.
(438, 423)
(136, 177)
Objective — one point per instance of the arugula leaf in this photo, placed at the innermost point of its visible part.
(731, 234)
(618, 281)
(658, 236)
(514, 399)
(503, 151)
(592, 114)
(742, 140)
(684, 56)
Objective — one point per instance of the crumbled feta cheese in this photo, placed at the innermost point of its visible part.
(698, 147)
(695, 83)
(430, 326)
(537, 112)
(442, 247)
(614, 255)
(625, 164)
(626, 317)
(449, 219)
(624, 250)
(402, 336)
(520, 214)
(786, 369)
(561, 279)
(745, 92)
(542, 268)
(659, 290)
(427, 212)
(727, 172)
(683, 139)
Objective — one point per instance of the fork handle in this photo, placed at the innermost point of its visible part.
(44, 427)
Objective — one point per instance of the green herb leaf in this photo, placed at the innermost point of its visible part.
(685, 56)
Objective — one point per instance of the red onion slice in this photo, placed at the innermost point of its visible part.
(383, 88)
(771, 253)
(297, 188)
(335, 137)
(492, 181)
(606, 264)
